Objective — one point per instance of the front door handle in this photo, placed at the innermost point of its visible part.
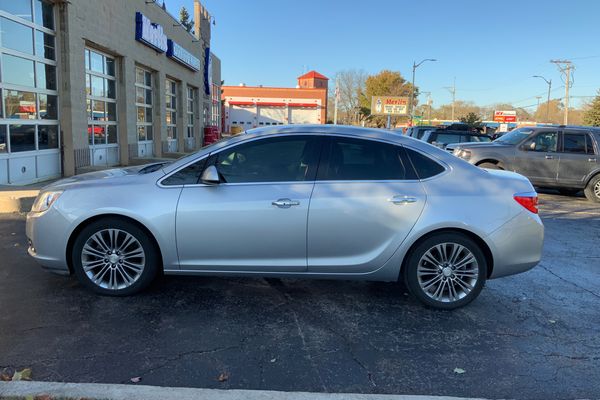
(548, 157)
(591, 159)
(402, 200)
(285, 203)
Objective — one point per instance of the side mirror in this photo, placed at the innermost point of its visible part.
(210, 176)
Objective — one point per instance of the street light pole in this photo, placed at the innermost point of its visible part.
(549, 83)
(412, 89)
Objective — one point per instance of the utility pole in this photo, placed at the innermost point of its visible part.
(335, 107)
(428, 107)
(549, 83)
(565, 67)
(452, 90)
(538, 100)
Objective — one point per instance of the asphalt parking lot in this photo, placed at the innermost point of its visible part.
(534, 335)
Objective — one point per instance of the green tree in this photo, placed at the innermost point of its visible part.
(184, 19)
(472, 119)
(592, 115)
(385, 83)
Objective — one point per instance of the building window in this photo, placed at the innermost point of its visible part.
(216, 106)
(101, 98)
(143, 103)
(171, 108)
(191, 114)
(28, 84)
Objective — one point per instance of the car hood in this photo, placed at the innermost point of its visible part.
(108, 176)
(480, 145)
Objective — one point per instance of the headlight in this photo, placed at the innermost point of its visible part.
(465, 154)
(45, 200)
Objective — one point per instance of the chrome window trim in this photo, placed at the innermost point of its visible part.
(446, 167)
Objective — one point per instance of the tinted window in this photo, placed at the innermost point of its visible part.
(574, 143)
(544, 142)
(360, 160)
(16, 36)
(475, 138)
(22, 138)
(17, 70)
(283, 159)
(3, 142)
(424, 166)
(47, 137)
(515, 136)
(590, 145)
(188, 176)
(445, 138)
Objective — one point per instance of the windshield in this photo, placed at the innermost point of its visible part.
(514, 136)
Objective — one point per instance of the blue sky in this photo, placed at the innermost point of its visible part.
(492, 48)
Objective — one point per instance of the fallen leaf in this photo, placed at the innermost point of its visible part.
(223, 377)
(4, 377)
(552, 321)
(273, 360)
(459, 371)
(136, 379)
(23, 375)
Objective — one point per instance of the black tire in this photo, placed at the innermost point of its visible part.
(151, 257)
(568, 192)
(490, 165)
(412, 279)
(592, 190)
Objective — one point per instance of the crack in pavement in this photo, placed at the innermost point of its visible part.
(568, 281)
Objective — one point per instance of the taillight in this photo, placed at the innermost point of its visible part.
(528, 200)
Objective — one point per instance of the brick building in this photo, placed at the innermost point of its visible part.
(246, 107)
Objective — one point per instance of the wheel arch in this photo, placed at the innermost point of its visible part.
(494, 161)
(592, 176)
(84, 223)
(489, 258)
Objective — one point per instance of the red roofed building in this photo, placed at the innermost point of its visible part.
(247, 107)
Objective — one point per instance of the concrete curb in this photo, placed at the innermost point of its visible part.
(17, 200)
(93, 391)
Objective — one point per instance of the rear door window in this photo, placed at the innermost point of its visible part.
(350, 159)
(445, 138)
(424, 166)
(577, 143)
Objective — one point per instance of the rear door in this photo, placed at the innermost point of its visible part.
(577, 158)
(364, 203)
(537, 158)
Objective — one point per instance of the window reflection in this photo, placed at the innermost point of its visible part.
(20, 8)
(22, 138)
(48, 106)
(47, 137)
(19, 105)
(3, 139)
(44, 45)
(44, 14)
(17, 70)
(46, 76)
(16, 36)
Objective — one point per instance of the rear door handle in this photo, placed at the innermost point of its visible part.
(402, 200)
(549, 157)
(285, 203)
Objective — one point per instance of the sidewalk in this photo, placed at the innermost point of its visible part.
(96, 391)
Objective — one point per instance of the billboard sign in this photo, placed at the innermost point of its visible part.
(505, 116)
(182, 56)
(389, 105)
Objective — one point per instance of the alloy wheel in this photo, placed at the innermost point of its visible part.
(597, 189)
(113, 259)
(447, 272)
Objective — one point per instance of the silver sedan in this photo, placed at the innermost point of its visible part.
(320, 201)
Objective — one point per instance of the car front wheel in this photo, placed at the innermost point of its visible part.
(592, 190)
(446, 271)
(114, 257)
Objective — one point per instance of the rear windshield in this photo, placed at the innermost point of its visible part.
(515, 136)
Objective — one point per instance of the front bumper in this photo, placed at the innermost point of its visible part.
(517, 245)
(47, 236)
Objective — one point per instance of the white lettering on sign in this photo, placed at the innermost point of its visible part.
(150, 33)
(183, 56)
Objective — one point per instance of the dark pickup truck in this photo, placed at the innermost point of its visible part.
(561, 157)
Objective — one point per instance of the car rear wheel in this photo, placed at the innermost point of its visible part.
(489, 165)
(114, 257)
(592, 190)
(446, 271)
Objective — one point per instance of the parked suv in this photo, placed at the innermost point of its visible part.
(418, 131)
(442, 137)
(562, 157)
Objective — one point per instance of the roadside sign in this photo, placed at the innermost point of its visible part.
(389, 105)
(505, 116)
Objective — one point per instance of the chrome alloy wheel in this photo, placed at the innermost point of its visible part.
(447, 272)
(113, 259)
(597, 189)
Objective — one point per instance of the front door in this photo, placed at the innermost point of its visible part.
(255, 220)
(577, 158)
(537, 158)
(364, 204)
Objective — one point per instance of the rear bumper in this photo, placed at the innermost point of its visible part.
(517, 245)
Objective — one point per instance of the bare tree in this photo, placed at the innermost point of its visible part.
(350, 84)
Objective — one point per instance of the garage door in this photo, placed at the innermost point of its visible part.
(242, 116)
(272, 115)
(304, 115)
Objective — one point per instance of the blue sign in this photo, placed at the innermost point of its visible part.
(207, 71)
(181, 55)
(149, 33)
